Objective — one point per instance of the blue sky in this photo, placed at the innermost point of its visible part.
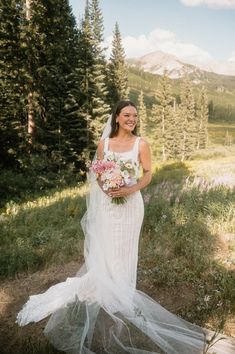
(202, 32)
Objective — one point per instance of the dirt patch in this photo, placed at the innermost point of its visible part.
(15, 292)
(225, 252)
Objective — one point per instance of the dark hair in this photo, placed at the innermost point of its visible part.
(116, 111)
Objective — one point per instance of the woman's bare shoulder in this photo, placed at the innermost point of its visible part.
(143, 142)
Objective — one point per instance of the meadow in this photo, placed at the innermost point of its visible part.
(187, 244)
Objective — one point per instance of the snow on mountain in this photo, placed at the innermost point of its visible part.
(219, 67)
(157, 62)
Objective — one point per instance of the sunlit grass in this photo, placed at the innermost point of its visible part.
(217, 132)
(187, 240)
(43, 231)
(187, 220)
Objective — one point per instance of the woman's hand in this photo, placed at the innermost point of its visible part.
(101, 186)
(120, 192)
(117, 192)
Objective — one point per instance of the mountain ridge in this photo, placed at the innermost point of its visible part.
(156, 62)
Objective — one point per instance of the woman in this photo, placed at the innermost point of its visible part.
(122, 140)
(99, 310)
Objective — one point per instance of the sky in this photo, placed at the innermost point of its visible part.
(199, 31)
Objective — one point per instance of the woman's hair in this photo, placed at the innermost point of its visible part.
(116, 111)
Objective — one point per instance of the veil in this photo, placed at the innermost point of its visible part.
(94, 312)
(107, 129)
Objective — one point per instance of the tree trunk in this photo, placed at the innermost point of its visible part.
(184, 147)
(163, 136)
(199, 135)
(31, 118)
(27, 7)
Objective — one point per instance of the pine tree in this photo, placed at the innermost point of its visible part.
(117, 70)
(142, 115)
(91, 70)
(163, 117)
(96, 21)
(52, 46)
(85, 72)
(100, 109)
(31, 95)
(202, 117)
(179, 132)
(12, 120)
(190, 124)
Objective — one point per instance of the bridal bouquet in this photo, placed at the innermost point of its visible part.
(114, 173)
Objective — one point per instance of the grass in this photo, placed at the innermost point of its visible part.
(186, 217)
(42, 232)
(217, 132)
(187, 244)
(223, 103)
(184, 214)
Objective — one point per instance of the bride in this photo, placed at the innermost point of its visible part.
(99, 310)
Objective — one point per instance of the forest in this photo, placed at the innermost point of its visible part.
(58, 88)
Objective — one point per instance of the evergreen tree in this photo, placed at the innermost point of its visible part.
(142, 115)
(100, 109)
(92, 71)
(45, 74)
(202, 117)
(85, 72)
(117, 70)
(96, 21)
(52, 80)
(190, 124)
(179, 132)
(30, 33)
(53, 46)
(163, 117)
(12, 120)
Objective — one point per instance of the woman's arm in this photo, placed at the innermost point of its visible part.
(145, 160)
(100, 150)
(100, 155)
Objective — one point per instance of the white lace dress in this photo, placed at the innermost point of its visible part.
(99, 310)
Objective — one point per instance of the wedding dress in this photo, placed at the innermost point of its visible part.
(99, 310)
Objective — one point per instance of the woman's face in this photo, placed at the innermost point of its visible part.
(127, 118)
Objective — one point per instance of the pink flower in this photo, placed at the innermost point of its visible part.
(113, 174)
(100, 166)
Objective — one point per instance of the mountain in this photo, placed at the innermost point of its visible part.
(220, 88)
(157, 62)
(220, 67)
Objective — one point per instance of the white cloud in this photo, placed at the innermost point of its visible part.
(163, 40)
(229, 4)
(167, 41)
(232, 58)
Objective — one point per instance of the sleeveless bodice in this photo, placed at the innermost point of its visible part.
(99, 310)
(130, 155)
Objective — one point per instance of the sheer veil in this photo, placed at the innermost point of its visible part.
(98, 310)
(107, 128)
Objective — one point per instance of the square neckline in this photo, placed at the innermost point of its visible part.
(122, 152)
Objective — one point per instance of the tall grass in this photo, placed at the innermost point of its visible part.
(184, 218)
(189, 207)
(41, 232)
(180, 247)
